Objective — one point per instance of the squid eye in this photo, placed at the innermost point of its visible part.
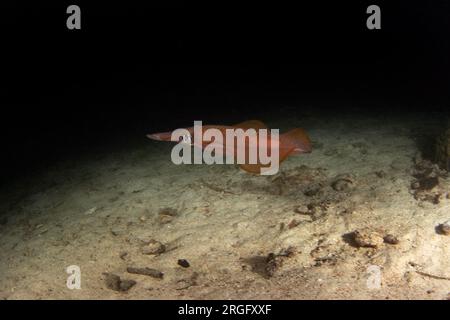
(187, 139)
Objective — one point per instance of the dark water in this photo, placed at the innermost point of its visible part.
(131, 71)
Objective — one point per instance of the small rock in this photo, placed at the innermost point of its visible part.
(115, 231)
(273, 263)
(183, 263)
(166, 215)
(341, 185)
(289, 252)
(342, 182)
(444, 228)
(183, 284)
(126, 285)
(168, 212)
(145, 237)
(154, 247)
(114, 282)
(302, 209)
(293, 224)
(163, 219)
(146, 272)
(314, 210)
(391, 239)
(366, 238)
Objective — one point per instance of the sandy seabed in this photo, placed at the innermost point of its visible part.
(288, 236)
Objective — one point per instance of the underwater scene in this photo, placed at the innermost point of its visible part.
(180, 169)
(135, 222)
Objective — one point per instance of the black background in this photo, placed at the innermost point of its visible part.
(134, 69)
(169, 309)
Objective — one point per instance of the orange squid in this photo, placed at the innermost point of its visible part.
(293, 142)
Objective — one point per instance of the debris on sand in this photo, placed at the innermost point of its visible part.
(324, 254)
(117, 231)
(302, 209)
(183, 263)
(183, 284)
(426, 185)
(444, 228)
(419, 269)
(275, 261)
(367, 238)
(146, 272)
(153, 247)
(342, 183)
(167, 215)
(390, 239)
(267, 266)
(427, 197)
(114, 282)
(168, 212)
(314, 210)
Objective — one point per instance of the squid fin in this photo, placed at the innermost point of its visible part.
(297, 139)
